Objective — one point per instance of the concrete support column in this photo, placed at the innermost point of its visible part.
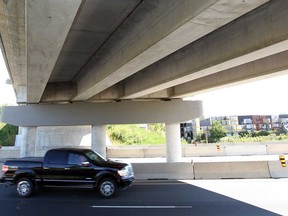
(173, 142)
(28, 141)
(98, 139)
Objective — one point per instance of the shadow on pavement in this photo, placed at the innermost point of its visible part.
(143, 198)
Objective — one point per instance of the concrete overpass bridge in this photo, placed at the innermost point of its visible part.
(66, 56)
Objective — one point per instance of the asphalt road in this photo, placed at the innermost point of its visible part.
(143, 198)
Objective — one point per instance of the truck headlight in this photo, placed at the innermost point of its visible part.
(124, 172)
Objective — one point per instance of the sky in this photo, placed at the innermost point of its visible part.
(7, 95)
(263, 97)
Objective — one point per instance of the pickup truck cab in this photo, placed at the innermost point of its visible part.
(67, 168)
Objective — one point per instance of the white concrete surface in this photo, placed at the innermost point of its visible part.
(47, 26)
(62, 136)
(222, 170)
(124, 112)
(203, 159)
(276, 169)
(173, 142)
(166, 27)
(163, 171)
(269, 194)
(246, 150)
(28, 140)
(98, 139)
(9, 152)
(203, 150)
(276, 148)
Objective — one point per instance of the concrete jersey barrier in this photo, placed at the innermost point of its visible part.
(222, 170)
(276, 169)
(144, 171)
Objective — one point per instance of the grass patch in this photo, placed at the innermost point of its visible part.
(133, 134)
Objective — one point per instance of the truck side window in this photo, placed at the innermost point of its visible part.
(76, 159)
(56, 157)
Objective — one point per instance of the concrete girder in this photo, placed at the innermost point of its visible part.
(142, 40)
(59, 92)
(261, 69)
(47, 25)
(12, 29)
(261, 33)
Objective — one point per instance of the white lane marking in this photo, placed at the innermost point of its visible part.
(145, 207)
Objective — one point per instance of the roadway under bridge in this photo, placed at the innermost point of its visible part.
(139, 58)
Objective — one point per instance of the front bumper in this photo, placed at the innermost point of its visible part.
(124, 183)
(2, 180)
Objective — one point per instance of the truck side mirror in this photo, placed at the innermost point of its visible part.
(85, 164)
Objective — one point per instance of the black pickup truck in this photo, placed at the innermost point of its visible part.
(67, 168)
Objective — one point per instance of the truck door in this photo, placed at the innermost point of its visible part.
(63, 168)
(79, 170)
(54, 166)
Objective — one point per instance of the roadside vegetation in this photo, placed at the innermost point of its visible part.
(155, 134)
(7, 134)
(256, 137)
(218, 133)
(135, 134)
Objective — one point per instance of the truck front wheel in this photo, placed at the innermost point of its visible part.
(107, 188)
(24, 187)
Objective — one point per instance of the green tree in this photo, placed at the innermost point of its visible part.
(217, 131)
(7, 132)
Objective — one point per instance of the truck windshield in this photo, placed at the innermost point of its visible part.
(95, 157)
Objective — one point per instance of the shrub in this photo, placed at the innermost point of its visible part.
(243, 133)
(216, 132)
(132, 134)
(123, 134)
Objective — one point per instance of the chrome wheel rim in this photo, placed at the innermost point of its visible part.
(23, 188)
(107, 188)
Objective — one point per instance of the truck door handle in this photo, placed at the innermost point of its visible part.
(66, 168)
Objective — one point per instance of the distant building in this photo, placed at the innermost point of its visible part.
(235, 124)
(283, 122)
(186, 130)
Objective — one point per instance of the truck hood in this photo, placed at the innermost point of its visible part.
(113, 164)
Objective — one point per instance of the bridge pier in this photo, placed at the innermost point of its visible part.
(98, 139)
(173, 142)
(28, 141)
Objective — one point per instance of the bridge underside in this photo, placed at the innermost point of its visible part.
(97, 50)
(66, 56)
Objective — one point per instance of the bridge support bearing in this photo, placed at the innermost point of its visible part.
(98, 139)
(173, 142)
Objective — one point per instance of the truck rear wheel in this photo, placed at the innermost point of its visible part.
(107, 188)
(24, 187)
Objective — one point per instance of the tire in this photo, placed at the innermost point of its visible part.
(24, 187)
(107, 188)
